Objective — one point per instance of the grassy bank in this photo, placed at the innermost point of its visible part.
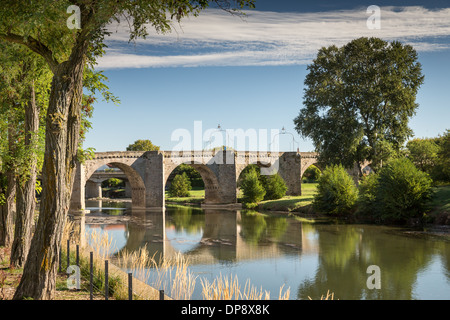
(197, 195)
(439, 207)
(292, 203)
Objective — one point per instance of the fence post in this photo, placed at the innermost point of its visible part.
(68, 253)
(161, 294)
(91, 275)
(106, 280)
(60, 268)
(78, 255)
(130, 286)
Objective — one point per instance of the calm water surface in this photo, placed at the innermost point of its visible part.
(275, 250)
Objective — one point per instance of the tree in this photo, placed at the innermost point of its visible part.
(180, 186)
(444, 155)
(423, 153)
(402, 191)
(25, 85)
(358, 101)
(312, 173)
(336, 192)
(252, 188)
(275, 186)
(41, 26)
(194, 176)
(24, 80)
(142, 145)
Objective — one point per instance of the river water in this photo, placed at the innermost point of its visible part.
(275, 250)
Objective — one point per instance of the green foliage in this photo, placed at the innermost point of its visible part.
(402, 191)
(336, 192)
(444, 156)
(358, 100)
(252, 188)
(180, 186)
(113, 183)
(86, 154)
(312, 173)
(194, 176)
(423, 153)
(367, 204)
(275, 187)
(142, 145)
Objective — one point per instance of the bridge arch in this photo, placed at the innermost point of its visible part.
(134, 178)
(208, 176)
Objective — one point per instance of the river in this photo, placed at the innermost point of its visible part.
(275, 250)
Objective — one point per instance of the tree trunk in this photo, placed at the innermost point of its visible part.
(61, 145)
(26, 188)
(7, 212)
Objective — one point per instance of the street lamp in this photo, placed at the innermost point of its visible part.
(219, 129)
(283, 131)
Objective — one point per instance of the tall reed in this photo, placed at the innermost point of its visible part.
(169, 274)
(228, 288)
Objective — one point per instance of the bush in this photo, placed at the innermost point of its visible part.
(336, 192)
(402, 191)
(311, 174)
(367, 195)
(180, 186)
(275, 187)
(252, 188)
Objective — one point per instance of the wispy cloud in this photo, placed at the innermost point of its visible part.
(271, 38)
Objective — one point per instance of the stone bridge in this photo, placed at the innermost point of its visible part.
(147, 172)
(94, 184)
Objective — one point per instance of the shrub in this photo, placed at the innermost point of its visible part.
(275, 187)
(402, 191)
(180, 186)
(312, 174)
(367, 195)
(336, 192)
(252, 188)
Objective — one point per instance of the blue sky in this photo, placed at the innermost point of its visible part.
(248, 73)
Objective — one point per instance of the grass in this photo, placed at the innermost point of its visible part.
(441, 198)
(228, 288)
(439, 206)
(288, 203)
(197, 195)
(292, 203)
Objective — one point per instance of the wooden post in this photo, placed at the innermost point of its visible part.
(68, 254)
(130, 286)
(106, 280)
(91, 276)
(78, 255)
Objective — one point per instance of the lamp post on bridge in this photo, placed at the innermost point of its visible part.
(283, 131)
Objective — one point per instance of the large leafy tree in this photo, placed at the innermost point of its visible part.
(41, 26)
(142, 145)
(423, 153)
(358, 100)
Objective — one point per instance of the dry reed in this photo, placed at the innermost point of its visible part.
(228, 288)
(329, 296)
(169, 274)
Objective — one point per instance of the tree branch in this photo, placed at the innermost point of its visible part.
(35, 46)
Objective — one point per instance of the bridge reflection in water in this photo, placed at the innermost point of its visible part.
(208, 236)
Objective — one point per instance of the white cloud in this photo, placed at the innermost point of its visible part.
(270, 38)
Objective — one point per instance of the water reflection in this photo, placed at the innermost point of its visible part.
(276, 250)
